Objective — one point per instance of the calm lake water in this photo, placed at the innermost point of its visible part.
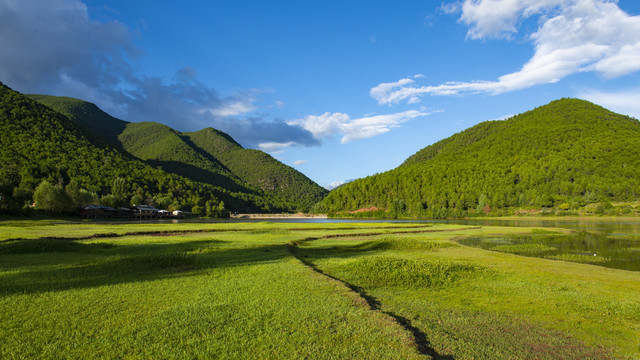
(608, 243)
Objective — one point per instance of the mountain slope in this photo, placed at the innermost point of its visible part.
(86, 115)
(162, 146)
(208, 156)
(569, 152)
(259, 169)
(39, 144)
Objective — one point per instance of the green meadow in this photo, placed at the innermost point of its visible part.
(302, 291)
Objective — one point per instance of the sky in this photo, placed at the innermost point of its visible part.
(338, 89)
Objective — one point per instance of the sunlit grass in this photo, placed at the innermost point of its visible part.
(494, 305)
(269, 290)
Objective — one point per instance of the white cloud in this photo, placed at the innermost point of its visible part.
(504, 117)
(232, 108)
(335, 184)
(573, 36)
(498, 18)
(331, 124)
(300, 162)
(386, 91)
(275, 147)
(450, 8)
(623, 102)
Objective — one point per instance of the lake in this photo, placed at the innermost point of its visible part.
(613, 243)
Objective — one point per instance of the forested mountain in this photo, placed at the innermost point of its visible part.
(72, 162)
(258, 168)
(566, 154)
(85, 115)
(208, 156)
(46, 158)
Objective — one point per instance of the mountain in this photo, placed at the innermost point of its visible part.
(86, 116)
(207, 156)
(258, 169)
(41, 147)
(566, 154)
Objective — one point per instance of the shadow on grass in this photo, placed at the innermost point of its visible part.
(343, 251)
(306, 256)
(43, 265)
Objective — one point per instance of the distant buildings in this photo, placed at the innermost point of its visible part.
(137, 212)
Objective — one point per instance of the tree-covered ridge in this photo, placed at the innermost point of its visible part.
(259, 169)
(208, 156)
(86, 115)
(566, 154)
(41, 147)
(162, 146)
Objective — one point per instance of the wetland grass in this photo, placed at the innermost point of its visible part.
(266, 290)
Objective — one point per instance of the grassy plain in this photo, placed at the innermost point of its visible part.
(284, 290)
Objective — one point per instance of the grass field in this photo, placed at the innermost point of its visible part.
(312, 291)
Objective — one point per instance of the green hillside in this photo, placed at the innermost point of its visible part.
(162, 146)
(566, 154)
(86, 115)
(208, 156)
(259, 169)
(46, 158)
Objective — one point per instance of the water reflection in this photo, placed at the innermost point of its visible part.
(613, 251)
(594, 225)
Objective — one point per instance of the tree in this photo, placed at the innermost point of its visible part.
(80, 197)
(197, 210)
(119, 191)
(52, 198)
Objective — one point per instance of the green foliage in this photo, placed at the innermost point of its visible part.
(52, 198)
(247, 180)
(87, 116)
(567, 152)
(41, 147)
(80, 197)
(284, 186)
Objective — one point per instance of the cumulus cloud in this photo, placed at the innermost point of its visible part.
(45, 41)
(573, 36)
(331, 124)
(54, 47)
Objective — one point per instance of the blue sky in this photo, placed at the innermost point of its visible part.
(338, 89)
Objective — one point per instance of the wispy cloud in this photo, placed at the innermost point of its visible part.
(332, 124)
(573, 36)
(54, 47)
(300, 162)
(275, 147)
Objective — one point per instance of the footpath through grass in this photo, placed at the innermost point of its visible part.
(316, 291)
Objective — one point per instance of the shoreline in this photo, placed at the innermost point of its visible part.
(279, 216)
